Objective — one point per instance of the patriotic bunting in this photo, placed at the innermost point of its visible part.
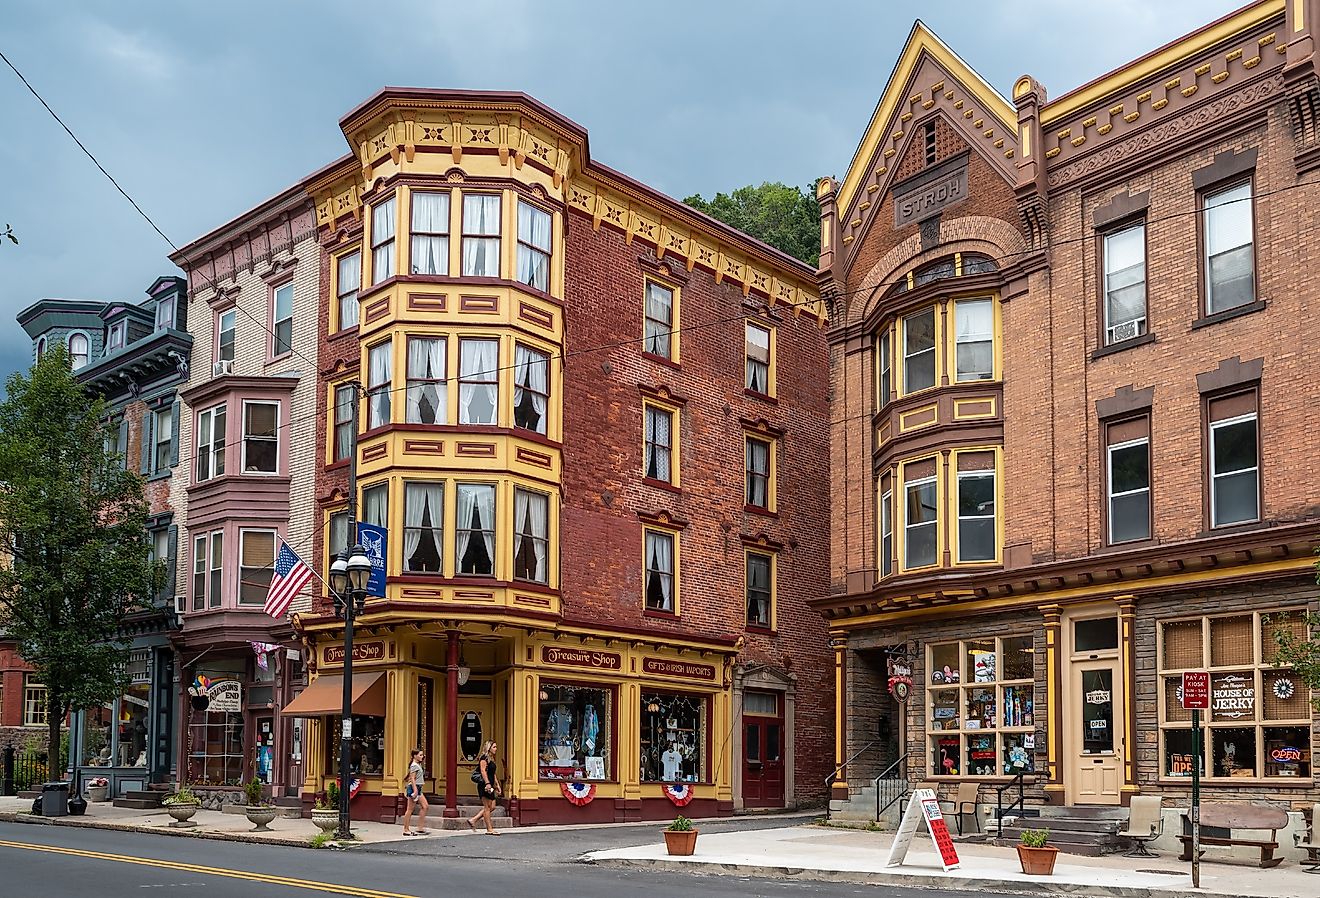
(578, 793)
(679, 793)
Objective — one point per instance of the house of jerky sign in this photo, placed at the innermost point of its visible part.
(1233, 696)
(932, 191)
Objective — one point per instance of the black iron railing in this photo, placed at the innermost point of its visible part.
(829, 780)
(890, 786)
(1019, 803)
(21, 772)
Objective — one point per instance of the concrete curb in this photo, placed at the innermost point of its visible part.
(1043, 886)
(84, 823)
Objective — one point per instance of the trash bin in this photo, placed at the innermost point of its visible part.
(55, 800)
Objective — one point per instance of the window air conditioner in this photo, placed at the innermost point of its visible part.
(222, 368)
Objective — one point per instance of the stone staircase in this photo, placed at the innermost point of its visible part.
(499, 818)
(142, 799)
(1073, 830)
(859, 809)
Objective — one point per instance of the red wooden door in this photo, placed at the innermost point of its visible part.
(763, 751)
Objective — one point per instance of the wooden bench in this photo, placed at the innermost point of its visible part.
(1238, 815)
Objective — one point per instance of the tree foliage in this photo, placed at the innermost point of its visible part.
(75, 520)
(1301, 650)
(787, 218)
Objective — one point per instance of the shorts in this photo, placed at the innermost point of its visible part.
(410, 792)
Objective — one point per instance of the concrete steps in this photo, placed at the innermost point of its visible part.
(1075, 830)
(142, 800)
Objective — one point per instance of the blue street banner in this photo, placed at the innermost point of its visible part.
(374, 540)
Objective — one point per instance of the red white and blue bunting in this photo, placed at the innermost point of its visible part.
(578, 793)
(354, 786)
(680, 794)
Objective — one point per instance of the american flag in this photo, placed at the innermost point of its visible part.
(291, 575)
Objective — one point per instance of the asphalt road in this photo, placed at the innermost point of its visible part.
(68, 862)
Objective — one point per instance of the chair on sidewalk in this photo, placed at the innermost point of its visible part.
(1145, 823)
(1310, 841)
(966, 803)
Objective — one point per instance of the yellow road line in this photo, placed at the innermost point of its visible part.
(270, 879)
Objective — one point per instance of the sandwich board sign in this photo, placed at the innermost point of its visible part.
(924, 806)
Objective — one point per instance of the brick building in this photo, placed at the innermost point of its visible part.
(1073, 438)
(590, 425)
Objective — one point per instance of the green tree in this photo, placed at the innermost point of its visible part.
(785, 217)
(1299, 647)
(75, 522)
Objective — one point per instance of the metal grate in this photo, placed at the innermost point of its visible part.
(1182, 645)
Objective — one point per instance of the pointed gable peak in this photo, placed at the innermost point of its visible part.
(970, 97)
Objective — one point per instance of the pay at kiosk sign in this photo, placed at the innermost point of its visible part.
(1196, 690)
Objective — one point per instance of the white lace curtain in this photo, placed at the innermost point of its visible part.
(530, 510)
(478, 393)
(660, 570)
(430, 228)
(481, 235)
(657, 444)
(379, 362)
(476, 520)
(427, 391)
(534, 253)
(382, 238)
(659, 319)
(423, 513)
(531, 383)
(350, 281)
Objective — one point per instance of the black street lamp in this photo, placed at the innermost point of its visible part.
(348, 583)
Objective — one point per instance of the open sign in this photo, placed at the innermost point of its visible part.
(1286, 755)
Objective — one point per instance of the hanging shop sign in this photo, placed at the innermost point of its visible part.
(553, 654)
(225, 696)
(684, 669)
(900, 679)
(362, 651)
(1233, 696)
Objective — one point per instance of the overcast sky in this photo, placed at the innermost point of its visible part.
(201, 111)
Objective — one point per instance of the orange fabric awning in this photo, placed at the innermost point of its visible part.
(325, 696)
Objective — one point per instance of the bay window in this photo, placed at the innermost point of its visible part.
(423, 527)
(920, 514)
(343, 429)
(885, 365)
(481, 235)
(475, 530)
(974, 321)
(216, 567)
(533, 246)
(531, 388)
(428, 394)
(256, 563)
(211, 443)
(261, 440)
(531, 522)
(376, 505)
(478, 381)
(199, 573)
(886, 526)
(382, 240)
(430, 232)
(380, 379)
(919, 351)
(977, 533)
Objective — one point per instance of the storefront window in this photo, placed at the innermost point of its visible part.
(673, 738)
(575, 732)
(216, 749)
(982, 707)
(98, 734)
(366, 747)
(1259, 722)
(132, 742)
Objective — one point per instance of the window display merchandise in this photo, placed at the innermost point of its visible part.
(575, 732)
(673, 738)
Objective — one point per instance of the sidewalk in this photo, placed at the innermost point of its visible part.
(835, 855)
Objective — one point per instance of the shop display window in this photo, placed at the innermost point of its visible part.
(673, 738)
(982, 707)
(366, 745)
(575, 732)
(217, 749)
(1259, 722)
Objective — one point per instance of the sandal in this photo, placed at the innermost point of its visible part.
(422, 832)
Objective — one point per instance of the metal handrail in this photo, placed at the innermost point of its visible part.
(855, 755)
(1020, 804)
(885, 775)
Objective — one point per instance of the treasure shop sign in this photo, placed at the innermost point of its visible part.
(553, 654)
(362, 651)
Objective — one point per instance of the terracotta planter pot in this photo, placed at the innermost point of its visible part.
(182, 813)
(1037, 861)
(327, 820)
(680, 843)
(260, 816)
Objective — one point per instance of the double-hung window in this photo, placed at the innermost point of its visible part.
(919, 351)
(347, 283)
(226, 325)
(338, 534)
(343, 433)
(216, 568)
(423, 526)
(1234, 460)
(199, 573)
(211, 443)
(114, 341)
(975, 329)
(531, 388)
(162, 435)
(531, 536)
(1125, 284)
(758, 359)
(430, 232)
(1229, 249)
(886, 526)
(380, 378)
(757, 462)
(165, 314)
(35, 711)
(79, 350)
(478, 381)
(475, 530)
(533, 246)
(885, 364)
(261, 437)
(481, 235)
(659, 444)
(759, 592)
(376, 505)
(977, 535)
(1127, 457)
(282, 321)
(659, 586)
(427, 390)
(382, 240)
(920, 515)
(256, 562)
(659, 326)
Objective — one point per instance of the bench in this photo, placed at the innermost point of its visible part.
(1238, 815)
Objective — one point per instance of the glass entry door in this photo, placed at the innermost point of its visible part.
(1097, 721)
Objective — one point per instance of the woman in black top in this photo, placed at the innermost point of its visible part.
(488, 788)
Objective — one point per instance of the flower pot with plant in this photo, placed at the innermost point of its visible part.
(680, 837)
(98, 788)
(182, 805)
(325, 813)
(1036, 857)
(259, 809)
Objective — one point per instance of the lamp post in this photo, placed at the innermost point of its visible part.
(348, 582)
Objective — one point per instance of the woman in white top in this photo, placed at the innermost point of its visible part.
(414, 792)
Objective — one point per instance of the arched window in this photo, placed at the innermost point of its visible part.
(78, 350)
(41, 347)
(957, 265)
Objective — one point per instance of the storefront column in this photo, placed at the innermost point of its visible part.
(1127, 613)
(451, 726)
(839, 788)
(1054, 716)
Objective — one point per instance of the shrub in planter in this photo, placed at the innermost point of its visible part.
(325, 813)
(182, 805)
(680, 837)
(260, 810)
(1036, 857)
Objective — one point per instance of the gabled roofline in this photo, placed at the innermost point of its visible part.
(920, 40)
